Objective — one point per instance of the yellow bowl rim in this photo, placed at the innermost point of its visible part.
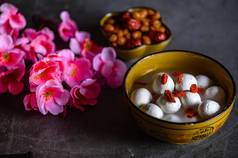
(110, 14)
(189, 52)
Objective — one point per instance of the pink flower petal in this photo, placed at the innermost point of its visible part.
(26, 102)
(66, 54)
(3, 18)
(6, 42)
(41, 105)
(21, 41)
(46, 31)
(64, 15)
(54, 108)
(17, 21)
(97, 62)
(108, 54)
(88, 54)
(82, 36)
(75, 46)
(107, 69)
(8, 8)
(116, 77)
(15, 87)
(62, 98)
(30, 102)
(120, 67)
(90, 89)
(30, 33)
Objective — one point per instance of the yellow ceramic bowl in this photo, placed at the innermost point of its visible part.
(143, 50)
(180, 133)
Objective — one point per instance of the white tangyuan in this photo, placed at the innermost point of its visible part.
(185, 84)
(191, 100)
(208, 108)
(215, 93)
(153, 110)
(203, 81)
(141, 96)
(157, 85)
(167, 106)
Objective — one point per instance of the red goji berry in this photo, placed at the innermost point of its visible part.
(164, 78)
(193, 88)
(175, 74)
(180, 78)
(179, 94)
(200, 90)
(169, 96)
(192, 114)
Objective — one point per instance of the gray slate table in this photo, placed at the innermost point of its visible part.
(108, 130)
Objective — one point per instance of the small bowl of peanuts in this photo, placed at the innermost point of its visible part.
(136, 32)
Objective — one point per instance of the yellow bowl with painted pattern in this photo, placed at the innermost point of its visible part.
(141, 51)
(180, 133)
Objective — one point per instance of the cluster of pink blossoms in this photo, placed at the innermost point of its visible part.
(58, 79)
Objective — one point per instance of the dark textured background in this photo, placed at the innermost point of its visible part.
(108, 130)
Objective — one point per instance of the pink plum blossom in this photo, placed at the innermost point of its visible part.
(30, 102)
(11, 21)
(43, 71)
(11, 58)
(32, 34)
(67, 27)
(77, 71)
(110, 67)
(11, 80)
(85, 94)
(42, 45)
(51, 97)
(36, 44)
(84, 46)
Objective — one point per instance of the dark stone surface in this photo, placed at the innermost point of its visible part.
(108, 130)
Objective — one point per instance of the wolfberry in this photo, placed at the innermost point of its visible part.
(180, 78)
(133, 24)
(190, 115)
(193, 88)
(179, 94)
(175, 74)
(200, 90)
(169, 96)
(164, 78)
